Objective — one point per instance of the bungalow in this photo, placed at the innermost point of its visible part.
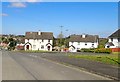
(113, 40)
(77, 42)
(38, 41)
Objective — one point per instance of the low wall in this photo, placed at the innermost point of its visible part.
(115, 49)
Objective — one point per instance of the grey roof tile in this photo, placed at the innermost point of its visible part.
(88, 38)
(115, 34)
(34, 35)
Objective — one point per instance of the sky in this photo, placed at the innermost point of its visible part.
(94, 18)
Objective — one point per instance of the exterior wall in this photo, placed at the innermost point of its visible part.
(80, 45)
(39, 44)
(115, 42)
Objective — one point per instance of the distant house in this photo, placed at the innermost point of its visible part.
(113, 40)
(77, 42)
(20, 44)
(38, 41)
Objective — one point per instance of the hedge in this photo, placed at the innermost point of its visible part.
(103, 50)
(98, 50)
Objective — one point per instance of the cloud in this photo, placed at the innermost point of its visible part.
(21, 3)
(17, 4)
(33, 0)
(3, 14)
(21, 0)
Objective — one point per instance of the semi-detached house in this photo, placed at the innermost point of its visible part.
(113, 40)
(38, 41)
(77, 42)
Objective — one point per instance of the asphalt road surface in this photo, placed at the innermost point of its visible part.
(28, 66)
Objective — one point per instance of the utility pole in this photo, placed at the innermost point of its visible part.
(61, 28)
(61, 34)
(66, 38)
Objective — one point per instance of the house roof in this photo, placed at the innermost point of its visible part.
(43, 35)
(110, 44)
(79, 38)
(115, 34)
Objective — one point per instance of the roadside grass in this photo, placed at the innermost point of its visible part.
(112, 59)
(116, 53)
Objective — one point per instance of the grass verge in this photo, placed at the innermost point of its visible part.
(112, 59)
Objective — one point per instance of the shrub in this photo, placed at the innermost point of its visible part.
(103, 50)
(78, 50)
(98, 50)
(88, 50)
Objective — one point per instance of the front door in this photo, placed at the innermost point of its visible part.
(27, 47)
(48, 48)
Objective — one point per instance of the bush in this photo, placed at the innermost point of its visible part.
(98, 50)
(78, 50)
(103, 50)
(88, 50)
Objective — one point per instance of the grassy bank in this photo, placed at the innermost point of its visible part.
(107, 59)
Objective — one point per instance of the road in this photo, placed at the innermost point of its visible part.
(28, 66)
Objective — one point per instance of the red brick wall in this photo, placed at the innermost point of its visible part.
(115, 49)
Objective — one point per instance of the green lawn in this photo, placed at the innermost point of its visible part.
(107, 58)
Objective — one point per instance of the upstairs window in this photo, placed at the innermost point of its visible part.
(86, 44)
(111, 39)
(118, 39)
(49, 40)
(72, 42)
(28, 40)
(34, 46)
(42, 40)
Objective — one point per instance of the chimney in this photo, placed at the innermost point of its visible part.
(39, 33)
(83, 35)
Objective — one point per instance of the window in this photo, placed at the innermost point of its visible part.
(72, 42)
(78, 48)
(86, 44)
(78, 43)
(42, 40)
(111, 39)
(118, 39)
(49, 40)
(92, 44)
(34, 46)
(42, 46)
(28, 40)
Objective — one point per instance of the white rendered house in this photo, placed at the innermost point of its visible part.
(113, 40)
(38, 41)
(77, 42)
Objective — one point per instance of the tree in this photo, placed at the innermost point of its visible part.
(60, 39)
(12, 43)
(5, 40)
(102, 42)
